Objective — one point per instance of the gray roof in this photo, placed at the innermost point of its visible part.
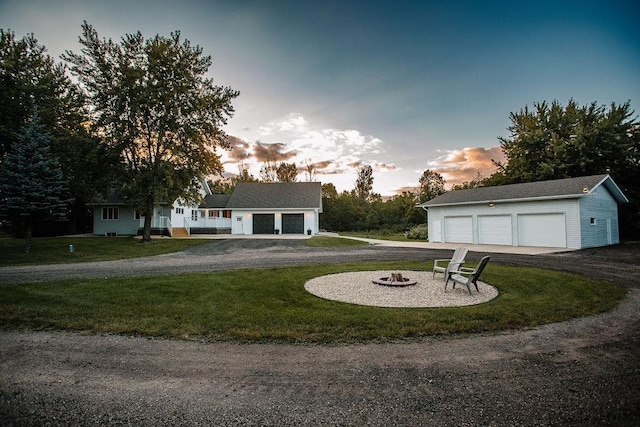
(214, 201)
(553, 189)
(282, 195)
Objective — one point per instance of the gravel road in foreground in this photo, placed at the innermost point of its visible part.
(581, 372)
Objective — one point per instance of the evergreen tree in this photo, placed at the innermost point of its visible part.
(32, 186)
(29, 80)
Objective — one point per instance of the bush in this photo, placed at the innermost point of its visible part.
(418, 232)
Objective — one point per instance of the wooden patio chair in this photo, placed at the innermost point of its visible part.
(467, 276)
(455, 263)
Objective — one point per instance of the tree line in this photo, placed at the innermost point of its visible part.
(141, 117)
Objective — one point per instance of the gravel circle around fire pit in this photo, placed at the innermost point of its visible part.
(358, 288)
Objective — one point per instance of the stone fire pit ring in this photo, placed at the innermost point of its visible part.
(358, 287)
(392, 281)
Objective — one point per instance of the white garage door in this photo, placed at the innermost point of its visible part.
(545, 230)
(495, 230)
(458, 229)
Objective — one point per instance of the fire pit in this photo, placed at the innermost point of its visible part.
(396, 279)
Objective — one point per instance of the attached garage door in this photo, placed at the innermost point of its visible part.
(542, 230)
(458, 229)
(292, 223)
(495, 230)
(263, 224)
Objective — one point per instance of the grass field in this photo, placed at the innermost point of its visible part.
(396, 237)
(55, 250)
(271, 305)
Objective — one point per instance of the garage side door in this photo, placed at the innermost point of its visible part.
(263, 224)
(495, 230)
(292, 223)
(458, 229)
(542, 230)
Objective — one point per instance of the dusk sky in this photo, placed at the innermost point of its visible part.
(402, 86)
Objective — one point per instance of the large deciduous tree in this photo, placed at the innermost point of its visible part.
(431, 185)
(551, 141)
(32, 187)
(287, 172)
(364, 183)
(151, 102)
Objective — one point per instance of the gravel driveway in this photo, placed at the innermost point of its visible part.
(581, 372)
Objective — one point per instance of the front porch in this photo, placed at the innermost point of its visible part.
(162, 226)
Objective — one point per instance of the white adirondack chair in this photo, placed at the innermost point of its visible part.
(467, 276)
(446, 265)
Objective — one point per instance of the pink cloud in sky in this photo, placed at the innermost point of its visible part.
(458, 166)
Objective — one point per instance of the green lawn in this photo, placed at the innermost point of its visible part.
(397, 237)
(271, 305)
(55, 250)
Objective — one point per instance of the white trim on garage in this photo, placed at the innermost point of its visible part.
(542, 230)
(458, 229)
(495, 230)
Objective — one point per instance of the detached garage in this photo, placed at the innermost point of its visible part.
(275, 208)
(495, 230)
(545, 230)
(458, 229)
(566, 213)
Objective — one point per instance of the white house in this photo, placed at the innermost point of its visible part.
(252, 208)
(565, 213)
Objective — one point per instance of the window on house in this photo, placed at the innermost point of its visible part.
(194, 215)
(137, 215)
(110, 213)
(226, 214)
(179, 211)
(593, 221)
(213, 214)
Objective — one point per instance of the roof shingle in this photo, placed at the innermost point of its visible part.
(282, 195)
(558, 188)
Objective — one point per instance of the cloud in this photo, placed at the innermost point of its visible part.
(322, 165)
(238, 150)
(380, 166)
(272, 152)
(458, 166)
(407, 189)
(293, 122)
(336, 152)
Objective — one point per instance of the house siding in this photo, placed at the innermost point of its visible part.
(304, 200)
(603, 229)
(568, 207)
(126, 224)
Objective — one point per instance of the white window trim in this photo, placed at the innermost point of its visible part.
(115, 213)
